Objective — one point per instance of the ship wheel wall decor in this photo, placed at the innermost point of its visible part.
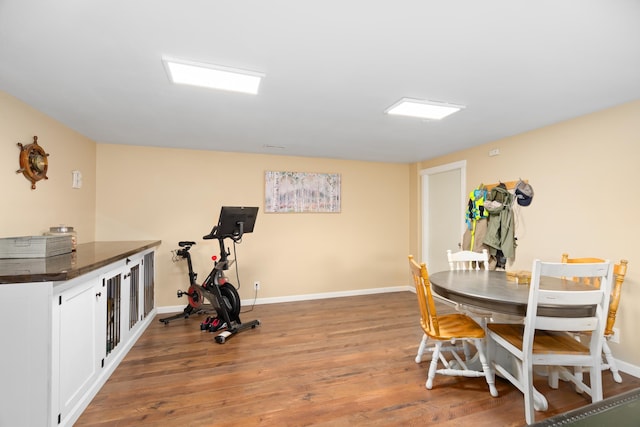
(33, 162)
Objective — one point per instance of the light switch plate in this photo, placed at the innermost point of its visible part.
(76, 181)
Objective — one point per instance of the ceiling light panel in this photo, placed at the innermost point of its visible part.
(212, 76)
(423, 109)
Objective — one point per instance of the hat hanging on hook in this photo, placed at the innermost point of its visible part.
(524, 193)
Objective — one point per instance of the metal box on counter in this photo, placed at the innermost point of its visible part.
(34, 246)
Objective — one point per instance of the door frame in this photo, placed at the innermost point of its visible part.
(425, 208)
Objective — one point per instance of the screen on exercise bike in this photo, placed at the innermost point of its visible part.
(232, 216)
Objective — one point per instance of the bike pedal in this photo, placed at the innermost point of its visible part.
(216, 325)
(205, 325)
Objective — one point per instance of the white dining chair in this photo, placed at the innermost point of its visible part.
(549, 341)
(474, 261)
(468, 260)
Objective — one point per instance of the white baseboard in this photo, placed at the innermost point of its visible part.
(304, 297)
(170, 309)
(325, 295)
(628, 368)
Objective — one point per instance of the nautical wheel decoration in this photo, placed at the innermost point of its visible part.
(33, 162)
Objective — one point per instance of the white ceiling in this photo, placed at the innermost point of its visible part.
(332, 67)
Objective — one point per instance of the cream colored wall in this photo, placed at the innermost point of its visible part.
(584, 172)
(27, 212)
(174, 194)
(585, 176)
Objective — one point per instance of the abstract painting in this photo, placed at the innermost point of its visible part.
(302, 192)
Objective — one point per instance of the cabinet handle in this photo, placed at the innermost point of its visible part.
(99, 294)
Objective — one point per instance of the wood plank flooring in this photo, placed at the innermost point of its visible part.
(334, 362)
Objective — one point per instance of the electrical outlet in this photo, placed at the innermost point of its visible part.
(616, 336)
(256, 285)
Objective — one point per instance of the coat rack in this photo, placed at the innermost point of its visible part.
(510, 184)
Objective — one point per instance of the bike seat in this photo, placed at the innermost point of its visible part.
(186, 243)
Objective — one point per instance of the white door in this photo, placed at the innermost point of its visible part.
(443, 207)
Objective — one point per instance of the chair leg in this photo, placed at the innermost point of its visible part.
(596, 383)
(554, 377)
(422, 348)
(579, 377)
(527, 385)
(611, 362)
(433, 366)
(466, 350)
(486, 368)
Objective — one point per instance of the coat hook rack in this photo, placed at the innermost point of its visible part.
(510, 184)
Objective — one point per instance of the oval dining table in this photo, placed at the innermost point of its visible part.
(491, 291)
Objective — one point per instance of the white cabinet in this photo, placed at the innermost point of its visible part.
(100, 320)
(62, 340)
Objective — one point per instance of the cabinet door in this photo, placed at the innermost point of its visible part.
(139, 283)
(122, 305)
(112, 285)
(134, 284)
(148, 284)
(78, 308)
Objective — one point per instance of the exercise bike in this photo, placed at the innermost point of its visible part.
(221, 294)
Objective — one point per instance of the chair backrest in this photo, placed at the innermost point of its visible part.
(619, 273)
(428, 313)
(593, 281)
(591, 296)
(468, 260)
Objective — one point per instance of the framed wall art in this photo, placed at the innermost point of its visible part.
(302, 192)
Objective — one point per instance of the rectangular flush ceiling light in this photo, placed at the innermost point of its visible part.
(212, 76)
(423, 109)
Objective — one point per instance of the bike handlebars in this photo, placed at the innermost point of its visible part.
(212, 234)
(235, 237)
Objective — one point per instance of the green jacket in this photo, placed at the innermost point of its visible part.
(501, 228)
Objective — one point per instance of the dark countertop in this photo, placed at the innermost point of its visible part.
(87, 257)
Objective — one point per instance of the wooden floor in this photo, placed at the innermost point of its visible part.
(334, 362)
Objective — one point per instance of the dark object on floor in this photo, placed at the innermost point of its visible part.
(620, 411)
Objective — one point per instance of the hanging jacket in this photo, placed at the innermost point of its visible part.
(475, 206)
(473, 240)
(501, 227)
(474, 217)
